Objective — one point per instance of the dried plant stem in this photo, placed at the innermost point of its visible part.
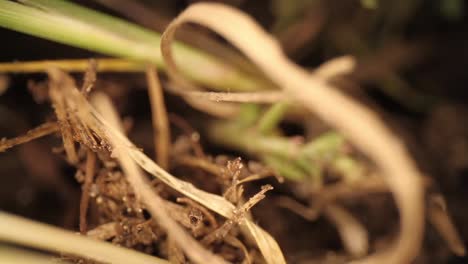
(200, 163)
(440, 219)
(25, 232)
(90, 77)
(220, 110)
(353, 235)
(153, 202)
(252, 97)
(89, 175)
(214, 108)
(336, 66)
(9, 254)
(79, 65)
(161, 131)
(239, 214)
(355, 121)
(58, 101)
(40, 131)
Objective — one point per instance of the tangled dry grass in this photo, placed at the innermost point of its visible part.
(184, 221)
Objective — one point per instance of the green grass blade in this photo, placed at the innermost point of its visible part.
(70, 24)
(71, 10)
(70, 31)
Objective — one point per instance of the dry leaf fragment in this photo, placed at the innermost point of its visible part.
(364, 129)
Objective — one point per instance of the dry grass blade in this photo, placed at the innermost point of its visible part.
(78, 65)
(153, 202)
(336, 66)
(162, 134)
(25, 232)
(40, 131)
(218, 109)
(89, 77)
(59, 104)
(252, 177)
(200, 163)
(254, 97)
(439, 218)
(238, 217)
(214, 108)
(89, 174)
(353, 234)
(10, 254)
(365, 129)
(101, 128)
(332, 68)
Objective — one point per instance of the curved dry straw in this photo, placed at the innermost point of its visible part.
(355, 121)
(26, 232)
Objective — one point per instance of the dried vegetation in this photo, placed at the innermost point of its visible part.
(205, 214)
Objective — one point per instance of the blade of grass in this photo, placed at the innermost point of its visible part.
(80, 27)
(37, 132)
(353, 234)
(247, 97)
(26, 232)
(71, 31)
(9, 254)
(272, 117)
(161, 129)
(104, 21)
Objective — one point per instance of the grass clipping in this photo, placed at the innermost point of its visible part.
(360, 125)
(26, 232)
(107, 135)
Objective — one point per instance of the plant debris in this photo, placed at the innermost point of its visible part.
(228, 151)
